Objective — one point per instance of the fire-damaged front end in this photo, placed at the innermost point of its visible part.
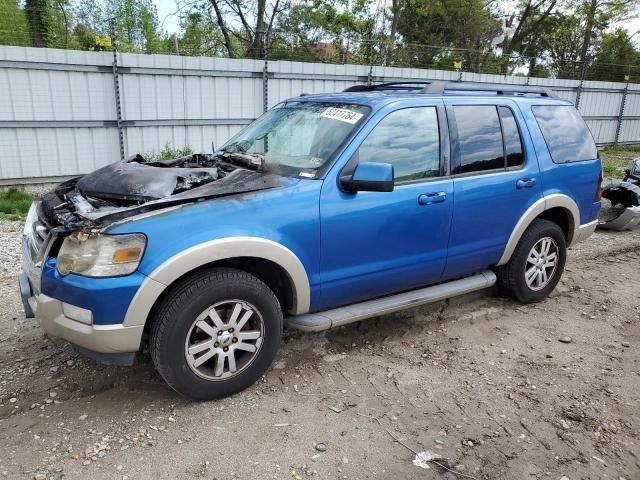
(75, 271)
(622, 210)
(131, 187)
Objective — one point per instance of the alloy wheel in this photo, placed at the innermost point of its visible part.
(542, 263)
(224, 339)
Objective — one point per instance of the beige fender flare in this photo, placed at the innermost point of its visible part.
(545, 203)
(214, 250)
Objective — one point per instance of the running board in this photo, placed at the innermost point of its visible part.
(316, 322)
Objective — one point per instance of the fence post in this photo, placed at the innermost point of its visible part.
(370, 74)
(116, 86)
(582, 75)
(265, 79)
(620, 115)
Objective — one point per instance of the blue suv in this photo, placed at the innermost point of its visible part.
(326, 210)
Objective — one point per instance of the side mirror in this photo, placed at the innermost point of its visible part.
(369, 177)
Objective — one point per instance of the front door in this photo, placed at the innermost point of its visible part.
(376, 243)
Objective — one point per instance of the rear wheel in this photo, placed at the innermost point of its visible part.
(536, 265)
(216, 333)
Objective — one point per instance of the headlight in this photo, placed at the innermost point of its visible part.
(634, 166)
(101, 255)
(32, 216)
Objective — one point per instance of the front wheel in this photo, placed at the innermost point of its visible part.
(216, 333)
(536, 265)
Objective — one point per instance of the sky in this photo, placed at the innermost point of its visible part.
(168, 14)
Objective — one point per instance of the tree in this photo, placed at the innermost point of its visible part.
(37, 13)
(14, 25)
(324, 31)
(251, 36)
(136, 24)
(200, 34)
(464, 27)
(524, 30)
(616, 56)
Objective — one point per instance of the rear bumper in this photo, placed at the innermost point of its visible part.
(626, 221)
(584, 231)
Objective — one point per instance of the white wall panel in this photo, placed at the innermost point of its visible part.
(58, 109)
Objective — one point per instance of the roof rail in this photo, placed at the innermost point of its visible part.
(439, 87)
(410, 85)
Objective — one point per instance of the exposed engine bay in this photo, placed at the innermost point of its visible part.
(621, 205)
(135, 186)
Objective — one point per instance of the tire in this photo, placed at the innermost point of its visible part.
(193, 336)
(512, 277)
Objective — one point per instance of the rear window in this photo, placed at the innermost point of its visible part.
(567, 136)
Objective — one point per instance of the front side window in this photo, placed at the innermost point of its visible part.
(409, 139)
(298, 138)
(566, 134)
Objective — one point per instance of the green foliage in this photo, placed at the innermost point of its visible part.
(316, 30)
(136, 25)
(544, 38)
(200, 35)
(14, 204)
(14, 26)
(168, 152)
(465, 26)
(616, 58)
(615, 159)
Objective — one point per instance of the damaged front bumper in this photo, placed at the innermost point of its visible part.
(113, 344)
(110, 343)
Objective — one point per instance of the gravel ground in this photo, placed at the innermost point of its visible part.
(483, 382)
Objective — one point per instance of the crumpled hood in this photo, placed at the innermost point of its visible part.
(131, 187)
(136, 181)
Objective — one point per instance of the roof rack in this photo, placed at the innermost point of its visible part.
(438, 87)
(410, 85)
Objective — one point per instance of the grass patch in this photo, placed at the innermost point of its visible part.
(616, 159)
(14, 204)
(168, 153)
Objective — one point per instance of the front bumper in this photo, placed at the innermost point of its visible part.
(50, 314)
(98, 338)
(108, 343)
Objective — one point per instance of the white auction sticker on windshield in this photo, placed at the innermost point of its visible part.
(341, 114)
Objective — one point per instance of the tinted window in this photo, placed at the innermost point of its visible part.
(511, 136)
(408, 139)
(565, 132)
(479, 138)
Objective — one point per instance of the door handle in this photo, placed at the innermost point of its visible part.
(526, 183)
(433, 197)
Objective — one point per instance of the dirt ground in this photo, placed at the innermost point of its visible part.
(482, 381)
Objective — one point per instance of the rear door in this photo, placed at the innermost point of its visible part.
(496, 178)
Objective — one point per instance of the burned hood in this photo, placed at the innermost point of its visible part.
(137, 181)
(133, 187)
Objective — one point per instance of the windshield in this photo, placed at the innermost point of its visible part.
(297, 138)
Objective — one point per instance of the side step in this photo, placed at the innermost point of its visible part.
(316, 322)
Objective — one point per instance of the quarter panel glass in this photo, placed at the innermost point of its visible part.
(567, 136)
